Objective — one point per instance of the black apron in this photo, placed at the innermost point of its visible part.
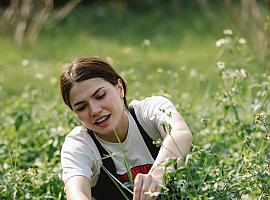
(105, 187)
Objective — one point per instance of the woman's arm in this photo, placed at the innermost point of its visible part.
(176, 143)
(78, 188)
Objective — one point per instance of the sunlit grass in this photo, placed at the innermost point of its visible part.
(173, 44)
(157, 53)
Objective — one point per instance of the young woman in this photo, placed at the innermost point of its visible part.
(115, 137)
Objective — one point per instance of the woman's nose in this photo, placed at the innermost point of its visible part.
(95, 109)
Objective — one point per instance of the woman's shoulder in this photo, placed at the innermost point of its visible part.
(77, 132)
(152, 104)
(79, 155)
(77, 137)
(152, 107)
(151, 100)
(149, 112)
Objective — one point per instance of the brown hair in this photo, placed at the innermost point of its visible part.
(86, 68)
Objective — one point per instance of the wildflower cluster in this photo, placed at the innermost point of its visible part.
(229, 41)
(31, 167)
(229, 158)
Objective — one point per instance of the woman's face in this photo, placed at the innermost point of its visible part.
(98, 105)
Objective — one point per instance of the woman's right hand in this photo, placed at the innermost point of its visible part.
(146, 184)
(78, 188)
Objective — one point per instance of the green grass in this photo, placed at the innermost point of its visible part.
(180, 63)
(176, 40)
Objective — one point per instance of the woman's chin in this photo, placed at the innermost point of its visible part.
(108, 131)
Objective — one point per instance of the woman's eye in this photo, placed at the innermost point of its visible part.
(80, 108)
(101, 96)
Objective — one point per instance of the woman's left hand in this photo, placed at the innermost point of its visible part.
(147, 186)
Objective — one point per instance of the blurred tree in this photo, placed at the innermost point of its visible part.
(255, 27)
(252, 21)
(24, 19)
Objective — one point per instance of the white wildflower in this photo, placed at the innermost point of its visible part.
(160, 70)
(207, 146)
(222, 41)
(247, 175)
(219, 185)
(31, 172)
(181, 184)
(146, 43)
(261, 114)
(227, 32)
(205, 131)
(57, 130)
(206, 186)
(193, 73)
(188, 157)
(5, 166)
(25, 62)
(246, 197)
(261, 93)
(243, 73)
(242, 41)
(152, 194)
(221, 65)
(39, 76)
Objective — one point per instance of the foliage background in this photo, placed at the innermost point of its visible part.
(160, 48)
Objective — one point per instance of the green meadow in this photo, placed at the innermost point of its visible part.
(222, 92)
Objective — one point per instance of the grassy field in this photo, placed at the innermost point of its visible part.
(183, 41)
(158, 52)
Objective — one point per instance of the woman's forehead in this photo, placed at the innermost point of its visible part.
(86, 88)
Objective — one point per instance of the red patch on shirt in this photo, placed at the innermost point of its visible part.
(143, 169)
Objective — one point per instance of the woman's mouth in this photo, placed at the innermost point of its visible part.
(102, 121)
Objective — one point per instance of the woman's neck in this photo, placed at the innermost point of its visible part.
(121, 131)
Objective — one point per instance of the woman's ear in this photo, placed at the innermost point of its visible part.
(120, 88)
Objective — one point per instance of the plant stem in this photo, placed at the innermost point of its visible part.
(126, 162)
(115, 181)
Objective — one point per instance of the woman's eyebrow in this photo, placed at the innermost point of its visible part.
(77, 103)
(96, 91)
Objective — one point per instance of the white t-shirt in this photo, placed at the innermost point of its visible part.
(80, 156)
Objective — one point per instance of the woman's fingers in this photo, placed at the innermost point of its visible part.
(145, 187)
(147, 178)
(137, 187)
(141, 184)
(151, 190)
